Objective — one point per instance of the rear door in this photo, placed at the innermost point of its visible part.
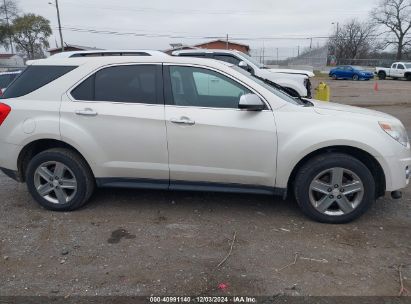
(116, 115)
(211, 142)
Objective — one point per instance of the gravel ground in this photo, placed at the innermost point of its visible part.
(130, 242)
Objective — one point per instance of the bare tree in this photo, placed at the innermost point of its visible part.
(395, 17)
(353, 40)
(8, 11)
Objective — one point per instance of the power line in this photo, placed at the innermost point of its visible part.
(173, 36)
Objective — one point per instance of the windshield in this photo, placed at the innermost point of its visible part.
(272, 89)
(407, 65)
(358, 68)
(252, 60)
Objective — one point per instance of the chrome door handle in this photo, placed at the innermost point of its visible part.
(86, 112)
(183, 121)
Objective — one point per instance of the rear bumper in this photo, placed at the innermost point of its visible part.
(8, 156)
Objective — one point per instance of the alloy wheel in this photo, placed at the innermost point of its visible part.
(55, 182)
(336, 191)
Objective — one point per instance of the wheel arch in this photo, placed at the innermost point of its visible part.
(366, 158)
(37, 146)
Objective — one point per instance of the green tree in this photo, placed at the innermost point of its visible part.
(30, 35)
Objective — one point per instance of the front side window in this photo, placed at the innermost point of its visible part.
(128, 83)
(204, 88)
(227, 58)
(401, 67)
(34, 77)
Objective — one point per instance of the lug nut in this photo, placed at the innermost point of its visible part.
(331, 196)
(339, 197)
(61, 183)
(330, 190)
(335, 186)
(342, 190)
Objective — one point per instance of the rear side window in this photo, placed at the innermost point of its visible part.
(5, 80)
(128, 83)
(34, 77)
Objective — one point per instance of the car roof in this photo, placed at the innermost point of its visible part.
(108, 60)
(206, 51)
(73, 54)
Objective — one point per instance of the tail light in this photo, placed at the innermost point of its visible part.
(4, 112)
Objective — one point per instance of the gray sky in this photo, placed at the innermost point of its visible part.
(252, 19)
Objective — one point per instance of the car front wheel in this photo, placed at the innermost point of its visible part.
(59, 180)
(334, 188)
(355, 77)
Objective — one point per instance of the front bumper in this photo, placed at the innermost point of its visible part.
(397, 172)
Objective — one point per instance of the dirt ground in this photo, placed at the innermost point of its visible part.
(133, 242)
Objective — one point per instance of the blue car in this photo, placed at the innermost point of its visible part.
(350, 72)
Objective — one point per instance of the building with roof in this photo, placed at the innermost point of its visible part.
(214, 44)
(224, 45)
(70, 48)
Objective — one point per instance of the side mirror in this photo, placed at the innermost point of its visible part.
(245, 66)
(251, 102)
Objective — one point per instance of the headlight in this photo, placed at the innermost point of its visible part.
(396, 131)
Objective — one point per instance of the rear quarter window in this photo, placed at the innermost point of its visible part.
(34, 77)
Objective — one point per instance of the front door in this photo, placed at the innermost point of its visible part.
(211, 142)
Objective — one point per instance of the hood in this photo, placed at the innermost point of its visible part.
(292, 71)
(325, 108)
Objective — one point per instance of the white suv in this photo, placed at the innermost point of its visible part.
(68, 125)
(295, 82)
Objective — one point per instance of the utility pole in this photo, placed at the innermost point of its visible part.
(8, 25)
(277, 56)
(298, 51)
(226, 41)
(58, 19)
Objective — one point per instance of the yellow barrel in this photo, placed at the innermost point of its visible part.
(322, 92)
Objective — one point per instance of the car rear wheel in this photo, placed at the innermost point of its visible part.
(355, 77)
(59, 180)
(334, 188)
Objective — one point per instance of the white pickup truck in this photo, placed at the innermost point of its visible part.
(397, 70)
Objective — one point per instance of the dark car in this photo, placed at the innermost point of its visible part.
(350, 72)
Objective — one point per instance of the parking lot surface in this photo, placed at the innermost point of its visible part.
(134, 242)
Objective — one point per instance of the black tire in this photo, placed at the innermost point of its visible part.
(334, 77)
(382, 75)
(77, 165)
(322, 162)
(408, 77)
(355, 77)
